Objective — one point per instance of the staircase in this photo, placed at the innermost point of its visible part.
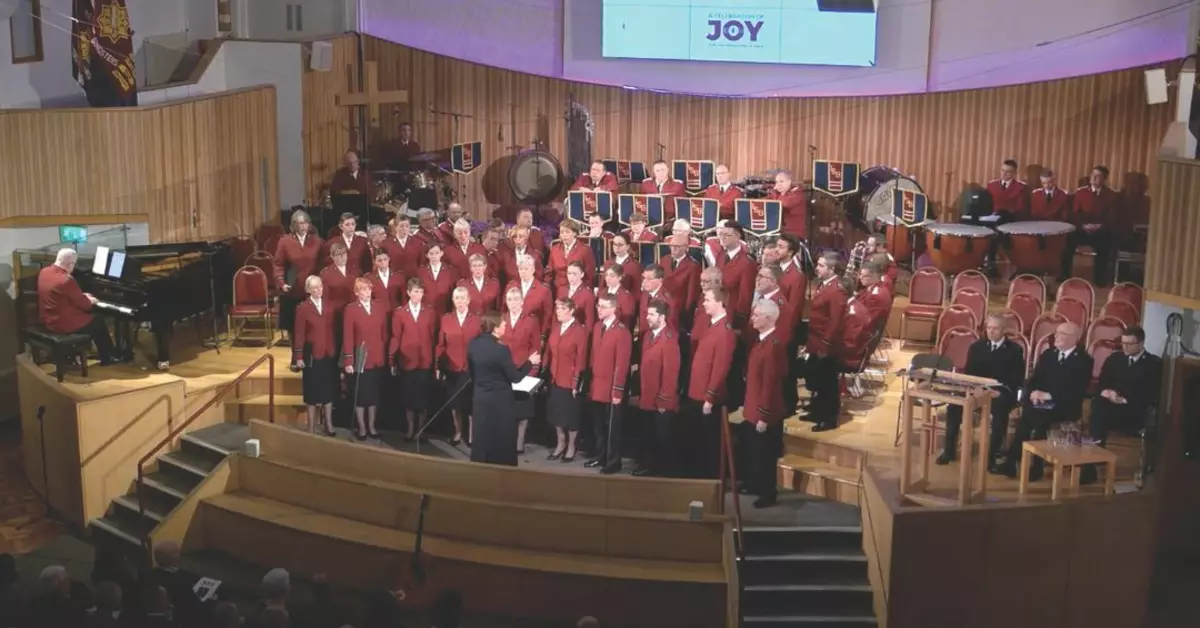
(805, 577)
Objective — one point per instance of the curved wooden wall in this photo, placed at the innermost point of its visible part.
(1172, 257)
(944, 140)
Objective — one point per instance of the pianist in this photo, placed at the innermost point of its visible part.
(65, 309)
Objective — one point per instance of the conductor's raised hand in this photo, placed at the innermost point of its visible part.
(535, 359)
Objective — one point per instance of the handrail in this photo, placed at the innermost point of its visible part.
(141, 467)
(727, 465)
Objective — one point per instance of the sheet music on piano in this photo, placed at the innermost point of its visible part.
(100, 263)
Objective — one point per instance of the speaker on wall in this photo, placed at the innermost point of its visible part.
(321, 59)
(846, 6)
(1156, 86)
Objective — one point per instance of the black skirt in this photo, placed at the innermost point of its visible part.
(321, 381)
(563, 409)
(368, 383)
(523, 406)
(458, 392)
(287, 312)
(416, 389)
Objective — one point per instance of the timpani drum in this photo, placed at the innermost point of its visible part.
(955, 247)
(901, 238)
(1037, 246)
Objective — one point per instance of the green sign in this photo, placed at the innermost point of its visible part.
(76, 234)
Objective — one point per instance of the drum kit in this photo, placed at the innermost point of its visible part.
(420, 184)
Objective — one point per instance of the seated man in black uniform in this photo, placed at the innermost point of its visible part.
(1003, 360)
(1129, 385)
(1054, 394)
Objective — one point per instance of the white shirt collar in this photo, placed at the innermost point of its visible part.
(717, 320)
(572, 289)
(609, 323)
(302, 238)
(1138, 357)
(658, 331)
(996, 343)
(349, 240)
(563, 327)
(384, 275)
(525, 286)
(620, 260)
(340, 269)
(513, 317)
(653, 295)
(402, 241)
(316, 303)
(829, 281)
(415, 308)
(786, 265)
(730, 255)
(435, 269)
(763, 336)
(1062, 355)
(366, 305)
(616, 290)
(479, 281)
(771, 294)
(461, 316)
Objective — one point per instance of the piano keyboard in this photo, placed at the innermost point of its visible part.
(120, 309)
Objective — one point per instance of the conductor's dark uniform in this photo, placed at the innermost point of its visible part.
(491, 367)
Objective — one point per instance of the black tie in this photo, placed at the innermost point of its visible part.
(1062, 357)
(995, 346)
(1132, 361)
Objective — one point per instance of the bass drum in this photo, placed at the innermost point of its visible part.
(535, 177)
(873, 203)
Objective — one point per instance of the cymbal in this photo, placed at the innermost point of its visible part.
(427, 157)
(386, 173)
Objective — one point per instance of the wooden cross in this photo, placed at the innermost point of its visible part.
(370, 96)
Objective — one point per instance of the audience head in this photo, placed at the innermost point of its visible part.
(376, 234)
(351, 159)
(764, 315)
(568, 231)
(383, 261)
(1047, 177)
(166, 555)
(710, 278)
(1008, 169)
(1066, 337)
(783, 181)
(461, 299)
(1099, 176)
(406, 131)
(478, 264)
(596, 171)
(339, 254)
(587, 622)
(525, 267)
(787, 247)
(722, 174)
(276, 584)
(681, 227)
(868, 275)
(55, 581)
(525, 217)
(595, 223)
(416, 290)
(638, 221)
(679, 245)
(514, 300)
(427, 219)
(434, 253)
(613, 276)
(447, 609)
(226, 615)
(462, 232)
(994, 326)
(108, 597)
(1133, 340)
(490, 239)
(519, 236)
(730, 235)
(362, 289)
(401, 227)
(314, 287)
(564, 310)
(620, 246)
(575, 273)
(454, 212)
(660, 170)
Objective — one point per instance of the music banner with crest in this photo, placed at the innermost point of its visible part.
(581, 204)
(102, 51)
(465, 158)
(696, 175)
(759, 215)
(649, 205)
(701, 213)
(626, 170)
(835, 178)
(910, 207)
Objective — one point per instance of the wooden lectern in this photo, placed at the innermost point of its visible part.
(926, 387)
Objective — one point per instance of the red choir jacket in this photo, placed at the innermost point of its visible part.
(612, 350)
(446, 230)
(365, 329)
(795, 211)
(567, 355)
(405, 256)
(399, 151)
(450, 355)
(392, 295)
(429, 237)
(794, 284)
(682, 279)
(358, 251)
(631, 274)
(483, 299)
(1011, 198)
(413, 338)
(1055, 205)
(670, 189)
(737, 278)
(858, 324)
(62, 306)
(726, 198)
(439, 289)
(712, 353)
(878, 301)
(314, 329)
(339, 286)
(644, 300)
(785, 314)
(825, 318)
(344, 182)
(537, 242)
(524, 338)
(607, 183)
(766, 366)
(538, 302)
(301, 259)
(460, 260)
(1095, 207)
(560, 258)
(585, 304)
(507, 259)
(645, 236)
(627, 311)
(658, 371)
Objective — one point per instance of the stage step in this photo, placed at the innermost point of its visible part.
(245, 408)
(819, 478)
(813, 621)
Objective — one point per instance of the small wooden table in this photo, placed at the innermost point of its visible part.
(1063, 458)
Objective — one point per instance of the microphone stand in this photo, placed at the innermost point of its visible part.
(48, 511)
(439, 412)
(810, 213)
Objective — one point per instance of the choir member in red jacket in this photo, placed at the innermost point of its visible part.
(614, 287)
(377, 237)
(567, 360)
(438, 279)
(520, 248)
(339, 283)
(490, 239)
(596, 178)
(411, 354)
(454, 213)
(483, 292)
(524, 339)
(460, 248)
(569, 249)
(795, 205)
(658, 373)
(737, 273)
(315, 354)
(1009, 195)
(537, 300)
(455, 332)
(653, 280)
(682, 279)
(356, 245)
(297, 257)
(1049, 202)
(387, 287)
(712, 355)
(64, 308)
(661, 183)
(631, 269)
(1095, 209)
(638, 231)
(582, 296)
(824, 332)
(405, 250)
(351, 179)
(724, 191)
(364, 355)
(762, 432)
(427, 230)
(537, 239)
(612, 350)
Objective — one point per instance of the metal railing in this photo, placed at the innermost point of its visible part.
(728, 469)
(141, 467)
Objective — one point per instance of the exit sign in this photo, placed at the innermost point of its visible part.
(76, 234)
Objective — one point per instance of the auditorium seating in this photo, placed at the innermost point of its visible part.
(955, 343)
(1074, 310)
(973, 299)
(267, 233)
(251, 304)
(1027, 307)
(242, 247)
(926, 298)
(1104, 328)
(1045, 324)
(1043, 343)
(952, 317)
(1013, 324)
(1123, 311)
(1130, 293)
(1081, 290)
(1031, 285)
(1100, 349)
(975, 280)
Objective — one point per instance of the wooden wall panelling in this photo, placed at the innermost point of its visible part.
(1069, 124)
(327, 127)
(1172, 257)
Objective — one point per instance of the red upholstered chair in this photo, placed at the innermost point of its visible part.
(1031, 285)
(1013, 324)
(1080, 289)
(1027, 307)
(1105, 328)
(270, 245)
(972, 279)
(955, 316)
(251, 303)
(1075, 311)
(1100, 349)
(242, 247)
(1020, 341)
(265, 233)
(1128, 292)
(1043, 343)
(1124, 311)
(1045, 324)
(955, 343)
(974, 300)
(926, 298)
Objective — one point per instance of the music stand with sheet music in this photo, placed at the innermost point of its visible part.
(928, 386)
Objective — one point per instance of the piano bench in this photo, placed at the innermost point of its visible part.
(63, 348)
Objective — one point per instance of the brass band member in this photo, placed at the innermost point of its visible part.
(763, 426)
(297, 257)
(457, 329)
(824, 329)
(314, 352)
(411, 354)
(658, 373)
(712, 354)
(566, 360)
(364, 355)
(612, 347)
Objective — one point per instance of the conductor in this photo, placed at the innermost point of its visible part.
(491, 367)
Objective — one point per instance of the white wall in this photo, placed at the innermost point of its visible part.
(267, 19)
(1154, 320)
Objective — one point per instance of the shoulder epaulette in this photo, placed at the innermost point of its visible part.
(647, 179)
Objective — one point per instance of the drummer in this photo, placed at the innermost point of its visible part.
(1010, 201)
(404, 148)
(351, 179)
(1049, 202)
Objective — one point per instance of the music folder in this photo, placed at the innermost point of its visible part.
(527, 385)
